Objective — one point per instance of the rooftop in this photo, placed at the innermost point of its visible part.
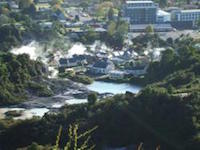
(116, 72)
(102, 64)
(63, 61)
(162, 13)
(190, 10)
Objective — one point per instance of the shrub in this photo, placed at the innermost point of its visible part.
(92, 98)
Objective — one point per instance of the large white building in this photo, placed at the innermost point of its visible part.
(140, 11)
(186, 15)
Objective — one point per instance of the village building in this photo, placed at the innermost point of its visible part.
(14, 6)
(103, 66)
(115, 74)
(137, 70)
(46, 25)
(76, 60)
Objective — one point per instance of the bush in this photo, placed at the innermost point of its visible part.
(76, 78)
(92, 98)
(39, 90)
(83, 79)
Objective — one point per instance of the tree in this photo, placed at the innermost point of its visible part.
(92, 98)
(110, 14)
(32, 9)
(77, 18)
(4, 19)
(168, 56)
(116, 33)
(170, 89)
(149, 29)
(4, 10)
(170, 41)
(122, 28)
(111, 28)
(163, 3)
(103, 8)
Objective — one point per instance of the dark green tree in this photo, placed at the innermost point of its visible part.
(110, 14)
(92, 98)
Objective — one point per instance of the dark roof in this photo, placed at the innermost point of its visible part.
(79, 57)
(102, 64)
(139, 67)
(74, 59)
(63, 61)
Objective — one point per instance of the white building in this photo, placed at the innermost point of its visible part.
(186, 15)
(46, 25)
(44, 1)
(102, 67)
(138, 70)
(140, 11)
(116, 74)
(163, 16)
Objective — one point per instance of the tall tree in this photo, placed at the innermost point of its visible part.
(163, 3)
(110, 14)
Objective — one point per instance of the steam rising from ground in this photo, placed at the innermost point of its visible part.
(33, 49)
(50, 53)
(77, 48)
(38, 51)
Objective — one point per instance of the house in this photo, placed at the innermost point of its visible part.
(58, 15)
(100, 30)
(14, 6)
(68, 62)
(103, 66)
(101, 54)
(46, 25)
(44, 10)
(137, 67)
(45, 1)
(117, 60)
(76, 60)
(3, 3)
(137, 70)
(127, 55)
(115, 74)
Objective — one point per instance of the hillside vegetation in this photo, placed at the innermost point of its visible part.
(17, 74)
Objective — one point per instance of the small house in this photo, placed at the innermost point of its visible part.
(76, 60)
(46, 25)
(137, 70)
(115, 74)
(102, 67)
(14, 6)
